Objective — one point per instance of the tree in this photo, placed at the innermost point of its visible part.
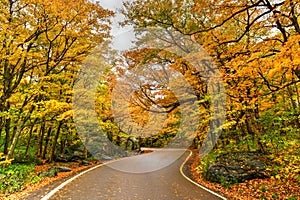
(253, 43)
(41, 41)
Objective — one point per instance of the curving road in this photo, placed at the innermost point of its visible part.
(158, 178)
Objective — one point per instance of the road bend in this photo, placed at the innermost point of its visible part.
(152, 176)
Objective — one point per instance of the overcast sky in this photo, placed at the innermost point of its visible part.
(122, 36)
(111, 4)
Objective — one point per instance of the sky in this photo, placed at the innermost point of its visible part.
(122, 36)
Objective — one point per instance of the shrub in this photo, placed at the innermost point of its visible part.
(16, 177)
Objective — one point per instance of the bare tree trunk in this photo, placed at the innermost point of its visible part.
(46, 142)
(0, 128)
(41, 138)
(15, 140)
(1, 123)
(55, 141)
(85, 152)
(28, 141)
(62, 146)
(294, 106)
(7, 136)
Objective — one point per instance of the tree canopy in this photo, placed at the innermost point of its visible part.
(252, 46)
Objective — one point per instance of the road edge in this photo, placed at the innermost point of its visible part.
(55, 190)
(52, 192)
(197, 184)
(63, 184)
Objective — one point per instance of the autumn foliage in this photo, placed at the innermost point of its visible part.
(255, 45)
(42, 46)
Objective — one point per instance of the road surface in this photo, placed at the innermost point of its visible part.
(136, 178)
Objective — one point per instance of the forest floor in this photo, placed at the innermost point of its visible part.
(269, 188)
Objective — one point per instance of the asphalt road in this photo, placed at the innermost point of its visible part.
(153, 176)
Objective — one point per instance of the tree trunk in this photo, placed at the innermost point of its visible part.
(62, 146)
(85, 152)
(55, 141)
(7, 136)
(41, 138)
(28, 141)
(15, 140)
(139, 143)
(0, 129)
(110, 136)
(294, 106)
(46, 143)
